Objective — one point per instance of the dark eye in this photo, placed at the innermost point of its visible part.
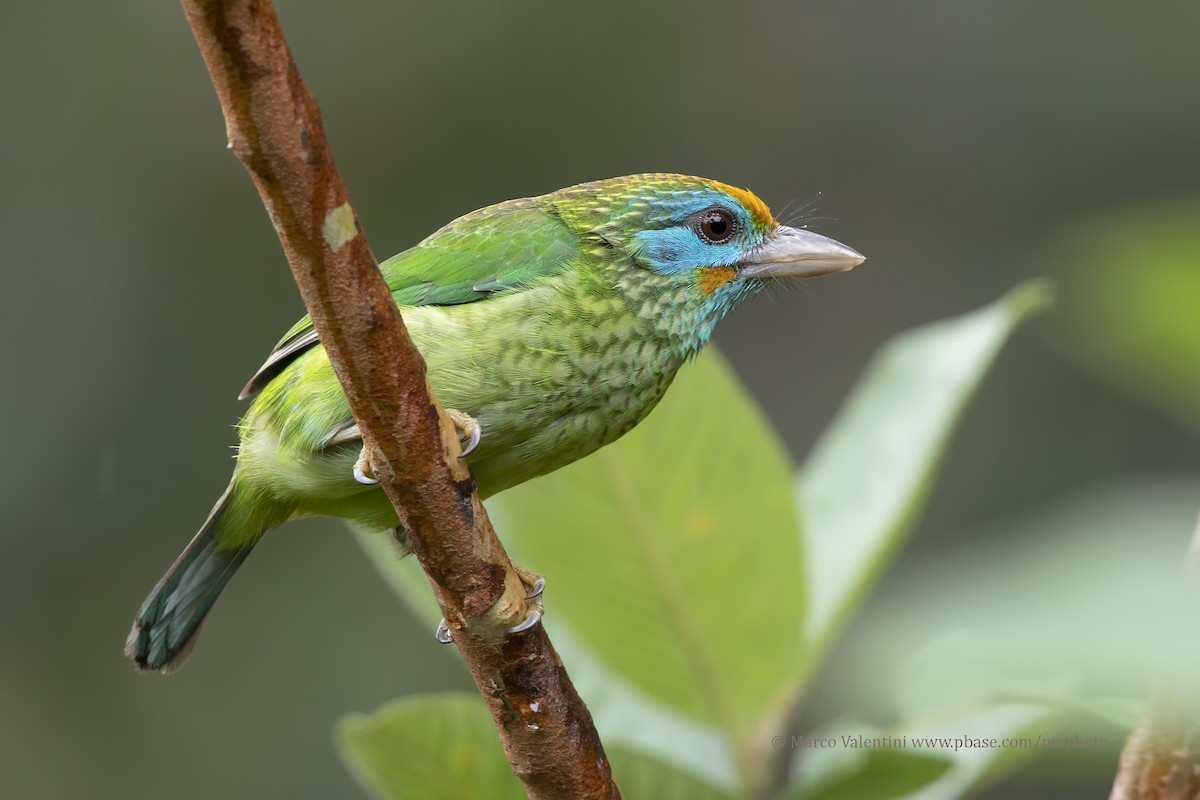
(715, 225)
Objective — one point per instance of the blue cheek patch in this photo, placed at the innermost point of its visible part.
(678, 249)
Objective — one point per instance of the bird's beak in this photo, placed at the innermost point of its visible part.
(794, 253)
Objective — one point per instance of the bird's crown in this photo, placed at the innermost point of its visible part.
(652, 200)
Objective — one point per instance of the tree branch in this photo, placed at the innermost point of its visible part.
(274, 128)
(1161, 758)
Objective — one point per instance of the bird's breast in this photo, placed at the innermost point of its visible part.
(550, 382)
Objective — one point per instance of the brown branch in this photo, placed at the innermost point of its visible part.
(274, 127)
(1161, 758)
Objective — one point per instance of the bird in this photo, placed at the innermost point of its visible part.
(550, 327)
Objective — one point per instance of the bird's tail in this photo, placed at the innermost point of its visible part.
(166, 626)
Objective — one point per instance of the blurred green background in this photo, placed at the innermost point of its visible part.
(957, 145)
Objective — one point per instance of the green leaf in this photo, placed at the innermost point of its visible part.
(1131, 284)
(868, 774)
(861, 491)
(699, 749)
(869, 475)
(1122, 713)
(1021, 627)
(674, 553)
(641, 776)
(962, 669)
(627, 717)
(973, 767)
(936, 758)
(444, 747)
(433, 747)
(1090, 592)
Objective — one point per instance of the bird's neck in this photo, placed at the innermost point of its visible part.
(668, 310)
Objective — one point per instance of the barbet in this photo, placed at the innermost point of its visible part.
(551, 325)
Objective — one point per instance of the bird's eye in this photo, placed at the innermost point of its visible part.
(715, 225)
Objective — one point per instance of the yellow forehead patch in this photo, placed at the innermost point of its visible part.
(757, 208)
(713, 278)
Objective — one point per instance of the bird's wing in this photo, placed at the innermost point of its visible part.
(502, 248)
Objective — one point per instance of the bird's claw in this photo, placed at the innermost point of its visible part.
(534, 584)
(443, 635)
(469, 427)
(533, 619)
(363, 473)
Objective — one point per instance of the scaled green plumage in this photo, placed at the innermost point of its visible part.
(556, 322)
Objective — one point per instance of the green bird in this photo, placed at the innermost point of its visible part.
(551, 325)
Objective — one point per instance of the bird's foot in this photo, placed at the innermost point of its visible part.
(535, 585)
(468, 426)
(364, 473)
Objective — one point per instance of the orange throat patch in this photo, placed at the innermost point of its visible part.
(713, 278)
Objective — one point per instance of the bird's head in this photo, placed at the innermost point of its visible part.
(698, 247)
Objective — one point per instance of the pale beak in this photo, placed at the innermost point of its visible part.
(795, 253)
